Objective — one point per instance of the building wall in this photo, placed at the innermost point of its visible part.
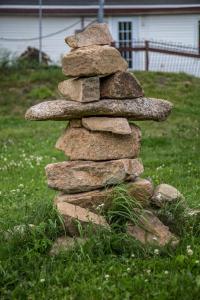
(27, 27)
(177, 28)
(170, 28)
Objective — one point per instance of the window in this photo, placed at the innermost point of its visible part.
(125, 40)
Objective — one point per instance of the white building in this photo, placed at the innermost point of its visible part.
(175, 21)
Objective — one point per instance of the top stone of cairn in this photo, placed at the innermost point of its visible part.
(94, 34)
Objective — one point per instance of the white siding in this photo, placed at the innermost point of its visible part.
(167, 28)
(170, 28)
(27, 27)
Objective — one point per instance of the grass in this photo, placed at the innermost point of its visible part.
(109, 265)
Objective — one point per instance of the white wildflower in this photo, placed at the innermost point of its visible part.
(166, 272)
(107, 276)
(189, 252)
(42, 280)
(156, 251)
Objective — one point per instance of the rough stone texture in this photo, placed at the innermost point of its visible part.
(92, 61)
(80, 176)
(139, 109)
(151, 230)
(82, 144)
(80, 89)
(95, 34)
(115, 125)
(73, 215)
(140, 189)
(165, 193)
(121, 85)
(90, 200)
(75, 123)
(65, 243)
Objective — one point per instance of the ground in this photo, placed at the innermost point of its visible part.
(109, 266)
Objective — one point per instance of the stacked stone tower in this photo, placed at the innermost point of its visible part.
(99, 98)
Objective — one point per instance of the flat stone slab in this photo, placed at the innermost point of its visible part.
(151, 230)
(92, 61)
(121, 85)
(114, 125)
(83, 144)
(165, 194)
(94, 34)
(141, 190)
(136, 109)
(80, 89)
(81, 176)
(73, 215)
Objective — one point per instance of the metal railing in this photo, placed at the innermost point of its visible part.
(160, 56)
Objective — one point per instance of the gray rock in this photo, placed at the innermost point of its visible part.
(94, 34)
(121, 85)
(165, 193)
(92, 61)
(82, 144)
(141, 190)
(80, 89)
(74, 215)
(114, 125)
(81, 176)
(136, 109)
(150, 230)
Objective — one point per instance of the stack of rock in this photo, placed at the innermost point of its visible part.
(103, 148)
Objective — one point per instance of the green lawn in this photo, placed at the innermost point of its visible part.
(108, 266)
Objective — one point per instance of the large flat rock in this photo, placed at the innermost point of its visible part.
(83, 144)
(141, 190)
(74, 215)
(92, 61)
(121, 85)
(81, 176)
(80, 89)
(136, 109)
(114, 125)
(150, 230)
(94, 34)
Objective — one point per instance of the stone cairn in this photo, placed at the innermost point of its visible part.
(98, 100)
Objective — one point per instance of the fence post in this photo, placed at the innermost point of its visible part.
(146, 55)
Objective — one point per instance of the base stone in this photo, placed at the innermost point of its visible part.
(74, 215)
(165, 194)
(81, 176)
(150, 230)
(141, 190)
